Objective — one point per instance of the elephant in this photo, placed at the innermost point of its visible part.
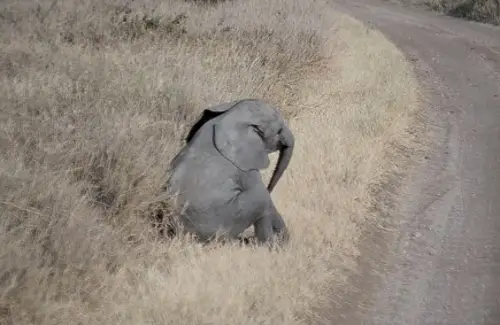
(216, 175)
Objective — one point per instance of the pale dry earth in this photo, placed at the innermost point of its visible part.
(443, 263)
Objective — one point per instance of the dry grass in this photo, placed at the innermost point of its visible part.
(487, 11)
(479, 10)
(94, 100)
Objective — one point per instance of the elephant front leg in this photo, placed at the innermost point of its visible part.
(271, 224)
(255, 207)
(257, 203)
(265, 232)
(278, 225)
(263, 229)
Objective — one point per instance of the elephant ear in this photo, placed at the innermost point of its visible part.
(207, 115)
(240, 142)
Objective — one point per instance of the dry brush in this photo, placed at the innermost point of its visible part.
(95, 98)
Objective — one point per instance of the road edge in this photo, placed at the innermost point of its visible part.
(410, 158)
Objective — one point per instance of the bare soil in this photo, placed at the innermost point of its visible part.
(442, 265)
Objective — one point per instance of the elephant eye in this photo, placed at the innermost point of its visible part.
(259, 131)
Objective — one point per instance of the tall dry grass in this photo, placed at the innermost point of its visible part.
(479, 10)
(486, 11)
(94, 100)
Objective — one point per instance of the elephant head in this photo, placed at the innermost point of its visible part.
(245, 132)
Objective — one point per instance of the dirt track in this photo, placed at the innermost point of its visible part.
(444, 264)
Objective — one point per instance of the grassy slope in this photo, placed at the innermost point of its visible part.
(95, 99)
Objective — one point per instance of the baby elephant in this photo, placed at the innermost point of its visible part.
(216, 175)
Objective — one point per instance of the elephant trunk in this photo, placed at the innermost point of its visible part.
(286, 149)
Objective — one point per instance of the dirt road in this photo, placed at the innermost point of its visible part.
(444, 264)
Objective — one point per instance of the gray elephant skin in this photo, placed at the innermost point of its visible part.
(216, 176)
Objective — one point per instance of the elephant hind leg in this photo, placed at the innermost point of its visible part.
(229, 219)
(226, 220)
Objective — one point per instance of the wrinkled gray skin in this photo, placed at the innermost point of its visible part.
(216, 175)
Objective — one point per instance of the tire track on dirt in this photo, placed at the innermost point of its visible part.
(444, 262)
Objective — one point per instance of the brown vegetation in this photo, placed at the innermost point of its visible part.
(94, 99)
(487, 11)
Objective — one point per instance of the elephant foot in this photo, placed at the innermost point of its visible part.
(278, 240)
(247, 240)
